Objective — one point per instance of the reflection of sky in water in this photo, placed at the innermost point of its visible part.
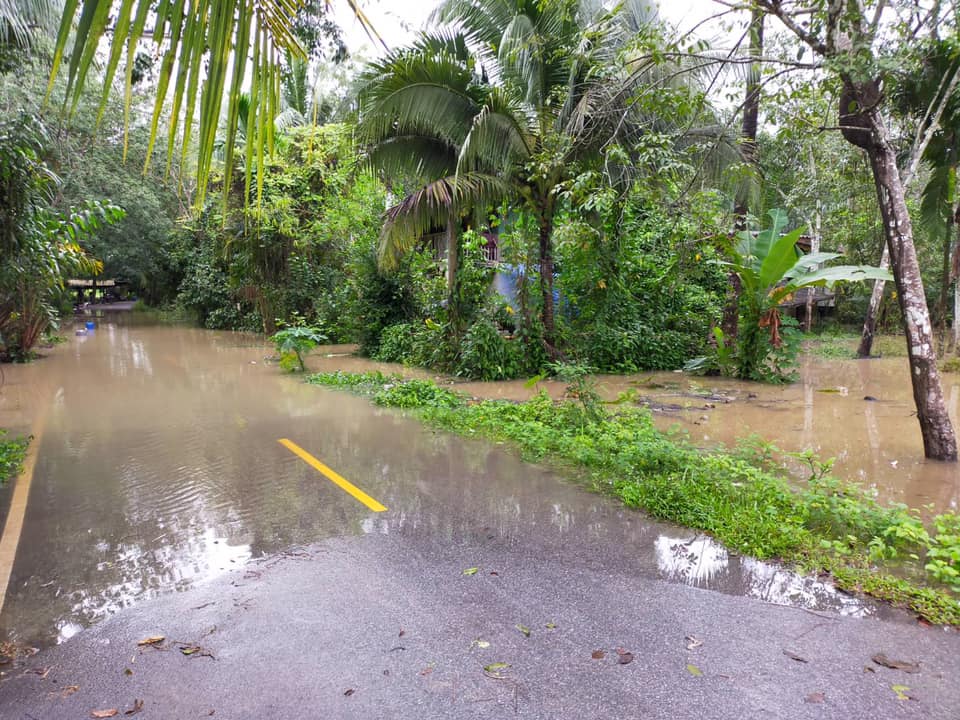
(702, 562)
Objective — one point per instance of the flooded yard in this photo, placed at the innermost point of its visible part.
(159, 467)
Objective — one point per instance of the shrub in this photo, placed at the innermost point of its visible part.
(488, 355)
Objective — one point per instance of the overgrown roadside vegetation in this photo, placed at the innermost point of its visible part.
(825, 526)
(12, 453)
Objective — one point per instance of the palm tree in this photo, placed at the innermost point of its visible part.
(219, 48)
(501, 103)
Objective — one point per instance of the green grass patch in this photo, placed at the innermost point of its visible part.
(826, 526)
(12, 453)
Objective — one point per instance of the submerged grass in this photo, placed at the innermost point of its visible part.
(12, 454)
(843, 346)
(828, 526)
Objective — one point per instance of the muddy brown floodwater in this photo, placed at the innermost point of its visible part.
(158, 467)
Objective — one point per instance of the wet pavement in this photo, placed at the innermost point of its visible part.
(159, 471)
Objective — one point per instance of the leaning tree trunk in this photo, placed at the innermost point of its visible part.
(865, 128)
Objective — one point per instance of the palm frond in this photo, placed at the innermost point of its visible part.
(431, 206)
(500, 136)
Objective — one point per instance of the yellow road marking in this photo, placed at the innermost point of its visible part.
(334, 477)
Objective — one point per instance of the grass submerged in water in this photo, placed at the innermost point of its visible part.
(828, 526)
(12, 454)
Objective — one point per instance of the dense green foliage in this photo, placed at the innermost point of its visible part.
(295, 252)
(824, 525)
(39, 244)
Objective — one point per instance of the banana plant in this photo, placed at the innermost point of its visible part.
(771, 269)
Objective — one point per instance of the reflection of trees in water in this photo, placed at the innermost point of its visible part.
(702, 562)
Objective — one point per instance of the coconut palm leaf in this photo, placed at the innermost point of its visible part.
(431, 206)
(235, 42)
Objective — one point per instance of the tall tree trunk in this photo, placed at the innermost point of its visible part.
(546, 278)
(955, 279)
(873, 308)
(748, 151)
(944, 298)
(453, 262)
(939, 440)
(816, 230)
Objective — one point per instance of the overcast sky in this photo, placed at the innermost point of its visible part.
(398, 21)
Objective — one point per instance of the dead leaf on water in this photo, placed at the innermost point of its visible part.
(598, 654)
(693, 642)
(817, 697)
(471, 571)
(104, 713)
(137, 707)
(153, 640)
(694, 670)
(907, 667)
(524, 629)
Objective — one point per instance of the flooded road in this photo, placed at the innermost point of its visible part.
(159, 466)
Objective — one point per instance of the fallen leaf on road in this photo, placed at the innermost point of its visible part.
(524, 629)
(794, 656)
(401, 633)
(103, 713)
(427, 670)
(190, 649)
(154, 640)
(348, 693)
(694, 670)
(69, 690)
(482, 644)
(867, 668)
(693, 642)
(901, 691)
(550, 626)
(493, 669)
(598, 654)
(817, 697)
(128, 672)
(494, 572)
(137, 707)
(471, 571)
(624, 657)
(907, 667)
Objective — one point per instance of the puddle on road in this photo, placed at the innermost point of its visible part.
(159, 466)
